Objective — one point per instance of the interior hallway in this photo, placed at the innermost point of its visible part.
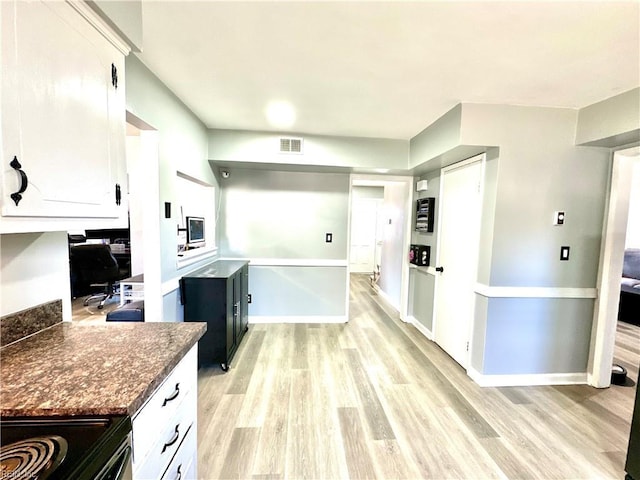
(374, 399)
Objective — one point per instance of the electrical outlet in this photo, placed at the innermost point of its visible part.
(329, 237)
(564, 253)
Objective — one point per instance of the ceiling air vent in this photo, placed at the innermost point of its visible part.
(290, 145)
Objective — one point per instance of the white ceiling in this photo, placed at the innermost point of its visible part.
(387, 69)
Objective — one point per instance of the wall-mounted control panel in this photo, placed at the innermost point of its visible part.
(558, 218)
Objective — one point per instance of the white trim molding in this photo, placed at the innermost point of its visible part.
(423, 270)
(525, 380)
(101, 26)
(190, 257)
(297, 319)
(170, 286)
(420, 327)
(534, 292)
(292, 262)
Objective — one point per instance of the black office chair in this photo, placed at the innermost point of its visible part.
(93, 265)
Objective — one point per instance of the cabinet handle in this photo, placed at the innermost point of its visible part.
(24, 181)
(175, 438)
(173, 396)
(114, 76)
(118, 194)
(179, 476)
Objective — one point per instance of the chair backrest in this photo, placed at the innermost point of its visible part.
(94, 263)
(631, 266)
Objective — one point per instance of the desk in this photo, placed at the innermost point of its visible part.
(135, 290)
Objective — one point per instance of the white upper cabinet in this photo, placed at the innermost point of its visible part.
(63, 117)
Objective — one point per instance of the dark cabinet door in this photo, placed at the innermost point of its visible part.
(230, 323)
(244, 299)
(204, 301)
(215, 294)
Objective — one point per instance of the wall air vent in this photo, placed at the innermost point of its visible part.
(291, 145)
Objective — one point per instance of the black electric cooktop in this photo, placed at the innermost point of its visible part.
(59, 448)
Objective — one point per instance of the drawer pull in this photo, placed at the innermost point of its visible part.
(173, 396)
(175, 438)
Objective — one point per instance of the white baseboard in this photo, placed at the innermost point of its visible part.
(386, 297)
(526, 380)
(420, 327)
(297, 319)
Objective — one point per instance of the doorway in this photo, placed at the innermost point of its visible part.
(610, 272)
(458, 243)
(366, 241)
(391, 236)
(144, 202)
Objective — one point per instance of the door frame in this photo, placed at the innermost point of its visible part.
(152, 256)
(372, 180)
(482, 157)
(614, 228)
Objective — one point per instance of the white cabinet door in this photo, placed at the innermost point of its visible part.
(63, 117)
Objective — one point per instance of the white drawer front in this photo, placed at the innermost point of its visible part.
(183, 466)
(168, 441)
(162, 409)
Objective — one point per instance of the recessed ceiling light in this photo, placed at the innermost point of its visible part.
(280, 114)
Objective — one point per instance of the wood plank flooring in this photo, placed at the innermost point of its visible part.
(373, 398)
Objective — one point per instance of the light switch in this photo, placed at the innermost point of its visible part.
(558, 218)
(329, 237)
(564, 253)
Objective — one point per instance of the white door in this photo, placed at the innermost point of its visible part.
(459, 221)
(364, 216)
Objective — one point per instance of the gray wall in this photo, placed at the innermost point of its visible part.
(282, 217)
(612, 122)
(125, 17)
(421, 283)
(539, 171)
(347, 152)
(421, 287)
(533, 168)
(438, 138)
(537, 336)
(182, 147)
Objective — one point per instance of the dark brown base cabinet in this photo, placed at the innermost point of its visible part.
(218, 295)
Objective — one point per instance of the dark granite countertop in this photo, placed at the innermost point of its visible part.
(72, 369)
(218, 269)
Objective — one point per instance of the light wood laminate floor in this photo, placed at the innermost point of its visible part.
(373, 398)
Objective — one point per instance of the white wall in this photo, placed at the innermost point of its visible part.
(182, 147)
(34, 269)
(633, 226)
(394, 252)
